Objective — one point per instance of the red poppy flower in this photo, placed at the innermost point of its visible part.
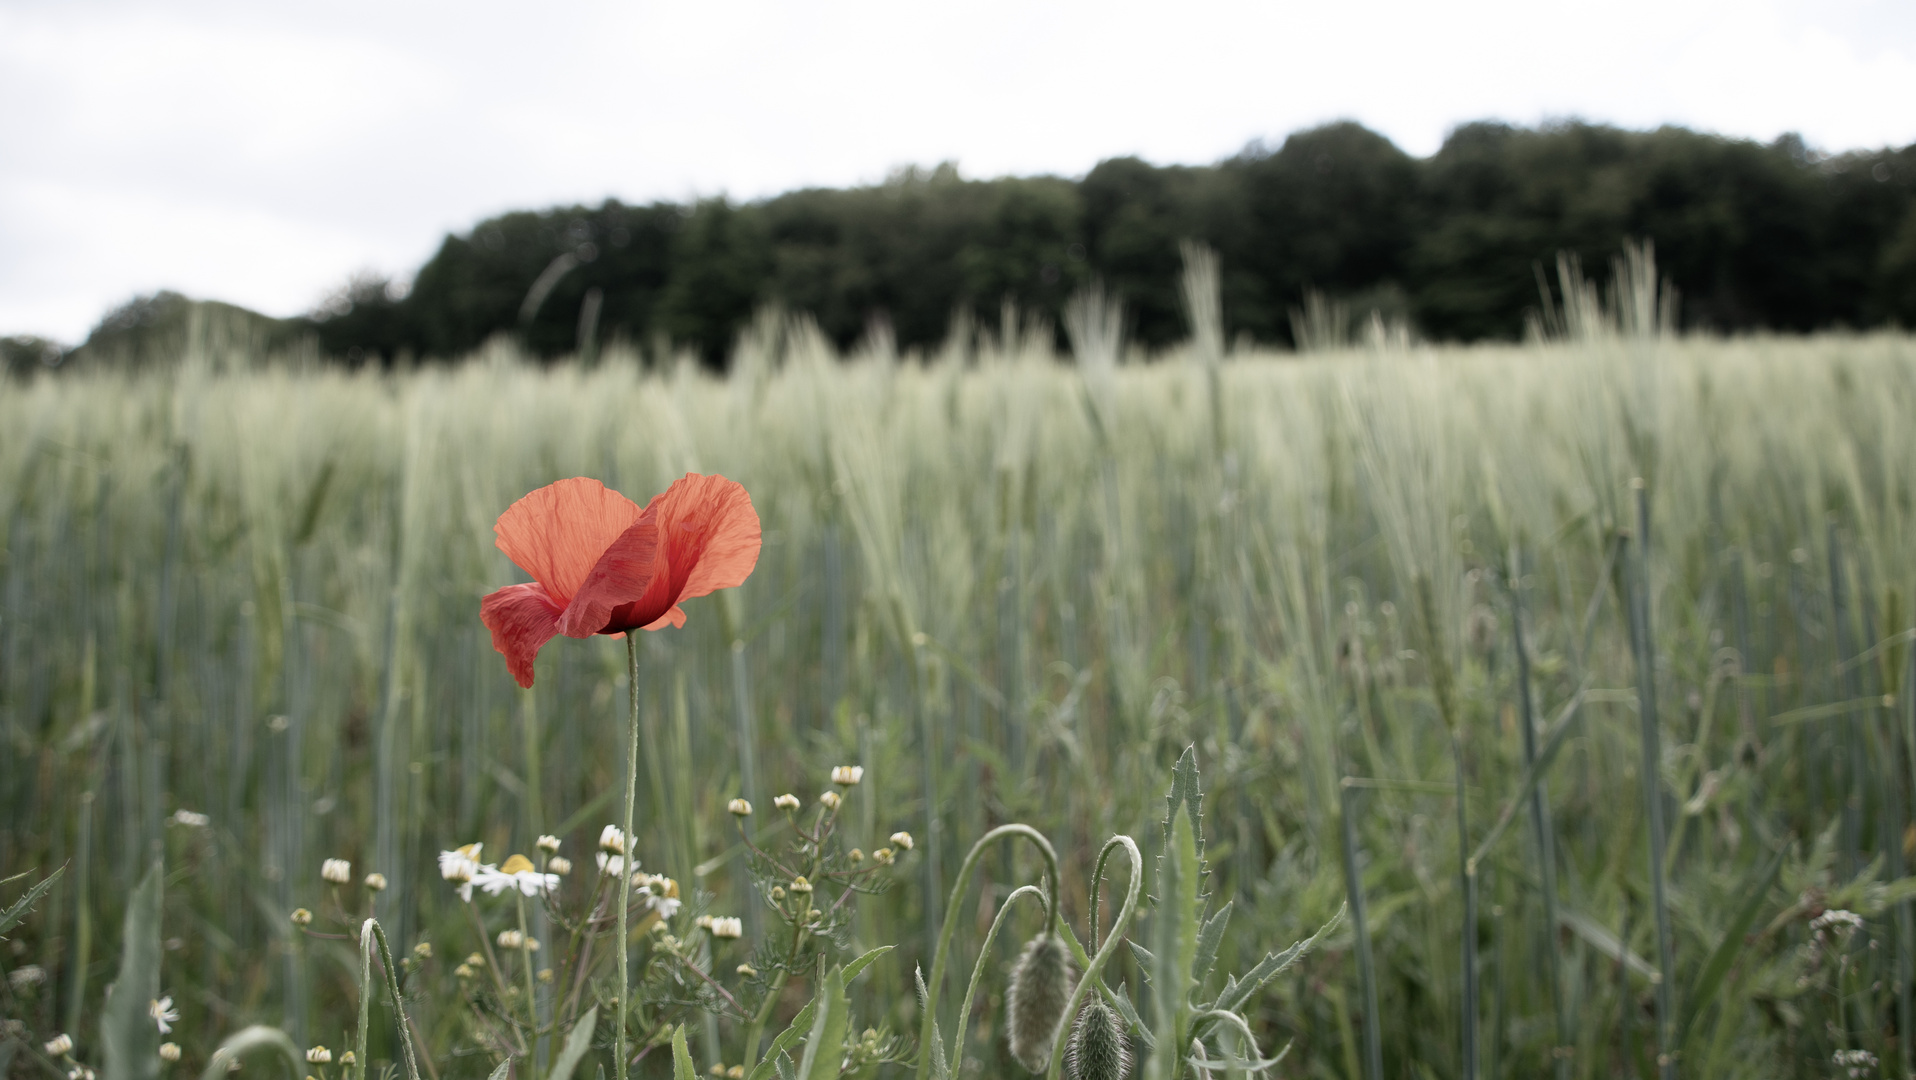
(601, 565)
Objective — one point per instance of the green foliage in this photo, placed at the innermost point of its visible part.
(579, 1043)
(1755, 236)
(128, 1031)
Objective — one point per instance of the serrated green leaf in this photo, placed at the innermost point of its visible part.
(1185, 793)
(1147, 962)
(1207, 944)
(682, 1067)
(853, 969)
(24, 906)
(1273, 965)
(132, 1038)
(1174, 943)
(824, 1047)
(577, 1045)
(248, 1040)
(1120, 1000)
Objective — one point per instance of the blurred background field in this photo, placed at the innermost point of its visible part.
(1013, 584)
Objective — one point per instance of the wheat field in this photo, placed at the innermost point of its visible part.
(1013, 585)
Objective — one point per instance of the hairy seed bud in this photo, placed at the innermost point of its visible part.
(1097, 1049)
(1041, 983)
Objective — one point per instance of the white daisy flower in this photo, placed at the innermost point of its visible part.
(517, 873)
(164, 1014)
(460, 866)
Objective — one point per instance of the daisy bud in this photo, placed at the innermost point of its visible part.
(337, 871)
(548, 843)
(883, 856)
(559, 865)
(848, 775)
(739, 807)
(778, 892)
(545, 975)
(423, 950)
(59, 1046)
(611, 840)
(464, 971)
(532, 944)
(716, 1069)
(348, 1058)
(302, 917)
(476, 960)
(747, 970)
(830, 799)
(901, 840)
(727, 927)
(786, 802)
(376, 882)
(319, 1055)
(511, 939)
(169, 1051)
(1097, 1049)
(800, 885)
(856, 856)
(736, 1072)
(1041, 983)
(703, 922)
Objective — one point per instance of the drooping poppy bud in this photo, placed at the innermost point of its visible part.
(1097, 1049)
(1041, 984)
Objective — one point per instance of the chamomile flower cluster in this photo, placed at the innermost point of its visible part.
(462, 867)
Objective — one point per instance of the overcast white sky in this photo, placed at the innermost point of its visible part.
(261, 152)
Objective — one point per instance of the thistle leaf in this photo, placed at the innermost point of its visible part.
(1207, 944)
(1174, 943)
(1239, 991)
(1186, 793)
(23, 906)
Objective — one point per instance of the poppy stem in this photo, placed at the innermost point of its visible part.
(625, 846)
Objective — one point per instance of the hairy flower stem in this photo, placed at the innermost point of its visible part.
(1051, 921)
(525, 961)
(623, 952)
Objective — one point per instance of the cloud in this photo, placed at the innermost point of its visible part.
(261, 153)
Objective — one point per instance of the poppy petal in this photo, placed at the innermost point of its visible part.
(620, 577)
(674, 618)
(709, 539)
(558, 533)
(521, 618)
(724, 530)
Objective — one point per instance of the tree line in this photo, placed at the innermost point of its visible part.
(1756, 236)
